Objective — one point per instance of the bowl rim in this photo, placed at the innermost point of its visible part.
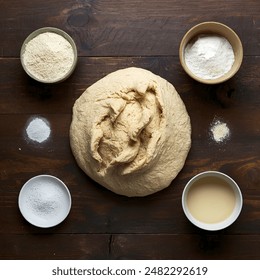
(229, 220)
(224, 77)
(56, 31)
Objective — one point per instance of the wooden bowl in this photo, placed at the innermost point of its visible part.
(214, 28)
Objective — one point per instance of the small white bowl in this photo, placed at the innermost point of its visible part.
(44, 201)
(228, 181)
(58, 32)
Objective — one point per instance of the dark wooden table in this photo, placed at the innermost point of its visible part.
(111, 35)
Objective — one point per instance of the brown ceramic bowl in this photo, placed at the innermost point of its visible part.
(215, 28)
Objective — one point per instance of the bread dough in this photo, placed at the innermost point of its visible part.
(130, 132)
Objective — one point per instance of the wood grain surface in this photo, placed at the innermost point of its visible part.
(111, 35)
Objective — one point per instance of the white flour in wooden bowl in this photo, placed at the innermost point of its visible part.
(209, 56)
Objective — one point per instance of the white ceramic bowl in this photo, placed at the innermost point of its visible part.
(44, 201)
(58, 32)
(226, 180)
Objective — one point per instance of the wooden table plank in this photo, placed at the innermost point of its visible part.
(127, 246)
(126, 28)
(54, 246)
(21, 95)
(204, 246)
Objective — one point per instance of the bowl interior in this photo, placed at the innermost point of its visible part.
(219, 29)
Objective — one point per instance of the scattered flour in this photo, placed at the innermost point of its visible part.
(48, 57)
(38, 130)
(220, 131)
(209, 56)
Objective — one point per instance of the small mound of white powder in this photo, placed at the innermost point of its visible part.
(38, 130)
(209, 56)
(220, 131)
(48, 56)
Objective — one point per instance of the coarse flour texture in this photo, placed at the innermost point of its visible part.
(48, 56)
(220, 131)
(130, 132)
(209, 56)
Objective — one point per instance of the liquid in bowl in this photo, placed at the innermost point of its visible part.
(212, 200)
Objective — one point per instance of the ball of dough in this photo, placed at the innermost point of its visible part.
(130, 132)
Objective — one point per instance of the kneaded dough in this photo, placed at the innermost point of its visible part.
(130, 132)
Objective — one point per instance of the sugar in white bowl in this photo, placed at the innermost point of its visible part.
(44, 201)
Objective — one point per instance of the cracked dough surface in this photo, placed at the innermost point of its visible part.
(130, 132)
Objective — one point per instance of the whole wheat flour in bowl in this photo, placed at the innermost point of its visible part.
(130, 132)
(49, 55)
